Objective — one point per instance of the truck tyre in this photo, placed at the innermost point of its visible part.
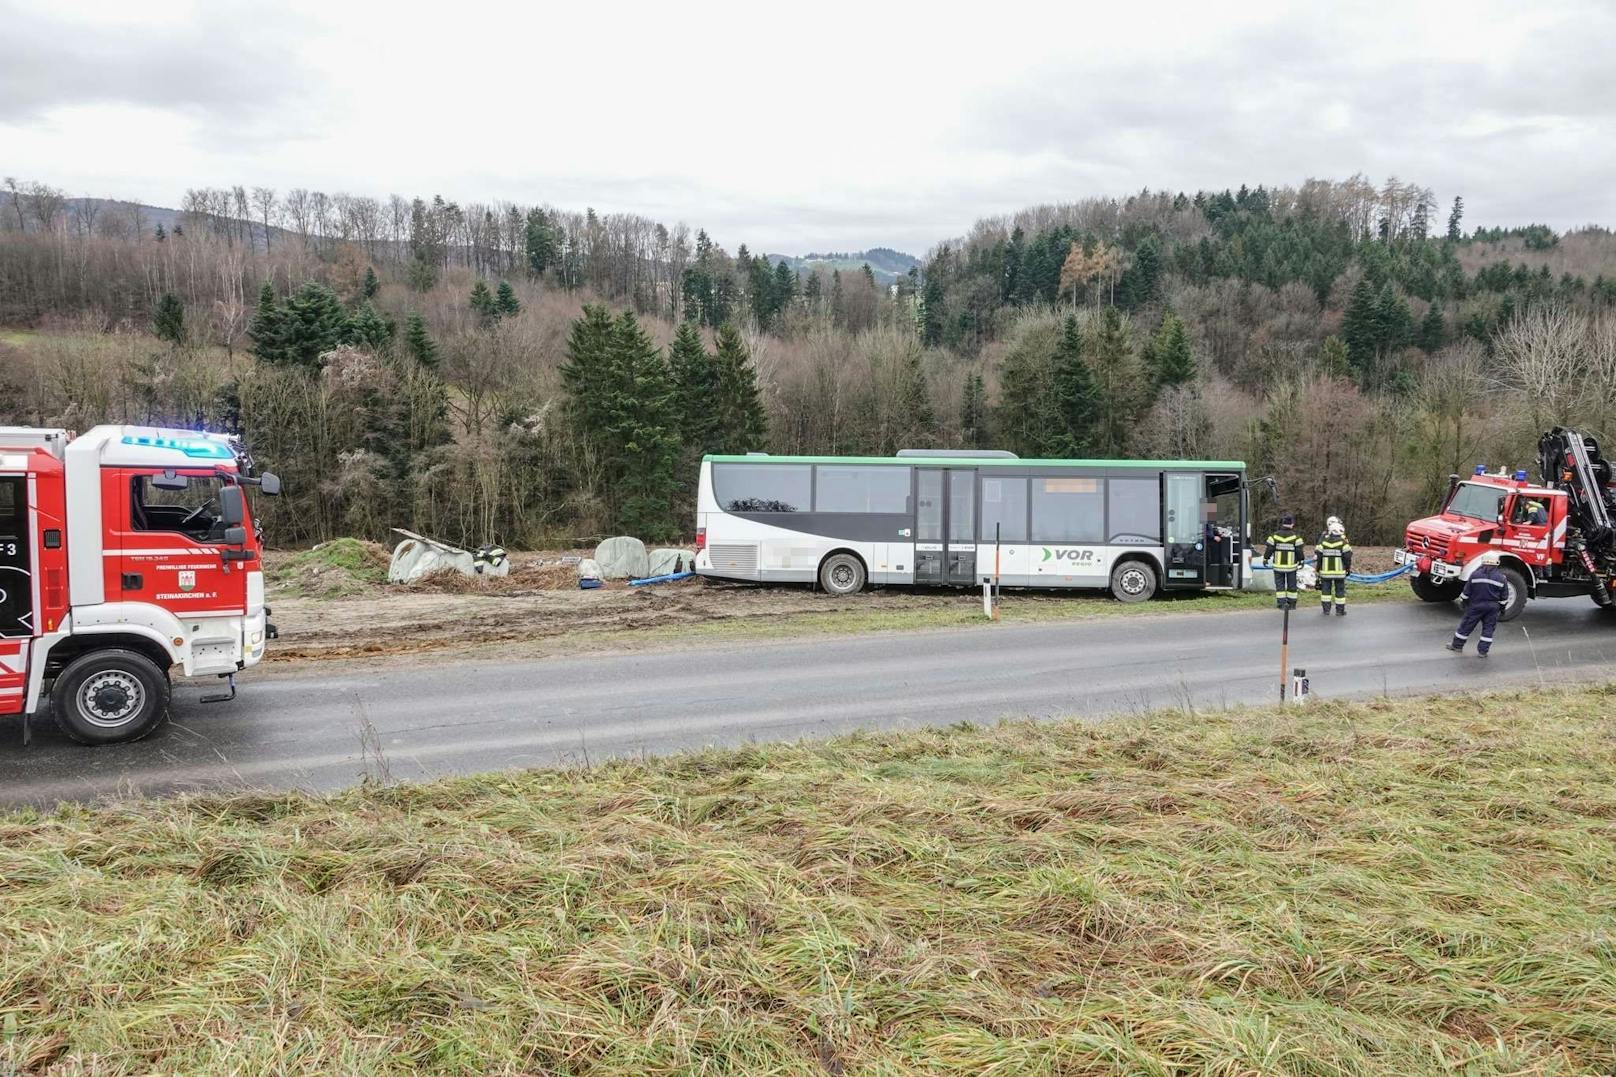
(842, 574)
(1515, 594)
(109, 697)
(1430, 589)
(1133, 581)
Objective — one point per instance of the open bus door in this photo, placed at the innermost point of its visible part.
(1203, 530)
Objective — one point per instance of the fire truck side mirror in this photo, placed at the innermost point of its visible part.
(232, 507)
(270, 483)
(235, 536)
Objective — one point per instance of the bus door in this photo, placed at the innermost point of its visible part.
(1184, 529)
(945, 525)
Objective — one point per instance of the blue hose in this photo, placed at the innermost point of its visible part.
(669, 578)
(1355, 577)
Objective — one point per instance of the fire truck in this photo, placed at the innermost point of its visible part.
(127, 554)
(1554, 536)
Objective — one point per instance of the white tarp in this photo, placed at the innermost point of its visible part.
(622, 558)
(666, 562)
(588, 569)
(419, 556)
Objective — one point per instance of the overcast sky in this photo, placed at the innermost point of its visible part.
(801, 126)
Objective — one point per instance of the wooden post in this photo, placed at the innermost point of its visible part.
(1284, 651)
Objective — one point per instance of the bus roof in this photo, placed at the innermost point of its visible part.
(982, 461)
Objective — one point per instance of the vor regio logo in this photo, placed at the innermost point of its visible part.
(1077, 557)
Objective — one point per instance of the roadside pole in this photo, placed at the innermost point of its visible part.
(1284, 651)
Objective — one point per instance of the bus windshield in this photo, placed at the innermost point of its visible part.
(1477, 502)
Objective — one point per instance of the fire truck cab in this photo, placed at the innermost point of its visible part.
(1523, 521)
(127, 554)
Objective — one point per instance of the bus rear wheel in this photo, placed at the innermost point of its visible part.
(1133, 581)
(842, 574)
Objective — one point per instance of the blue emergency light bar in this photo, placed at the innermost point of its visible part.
(1520, 475)
(197, 449)
(1481, 469)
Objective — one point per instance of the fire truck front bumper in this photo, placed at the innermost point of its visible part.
(1426, 565)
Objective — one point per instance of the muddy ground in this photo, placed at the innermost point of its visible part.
(333, 602)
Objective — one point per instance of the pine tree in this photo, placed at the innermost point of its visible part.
(931, 311)
(1075, 395)
(785, 287)
(974, 413)
(266, 330)
(742, 424)
(483, 303)
(639, 423)
(1433, 332)
(371, 285)
(1172, 360)
(695, 390)
(168, 319)
(1334, 360)
(160, 235)
(539, 243)
(1455, 219)
(1116, 372)
(1360, 328)
(370, 328)
(505, 302)
(1141, 283)
(418, 343)
(813, 290)
(312, 323)
(586, 371)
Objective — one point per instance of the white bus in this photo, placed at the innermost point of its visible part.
(954, 518)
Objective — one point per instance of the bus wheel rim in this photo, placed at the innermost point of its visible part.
(841, 574)
(110, 698)
(1133, 581)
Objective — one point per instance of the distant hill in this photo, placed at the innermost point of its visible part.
(887, 264)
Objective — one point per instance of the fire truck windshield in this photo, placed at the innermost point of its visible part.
(1477, 502)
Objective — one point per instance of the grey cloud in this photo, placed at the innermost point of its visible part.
(223, 63)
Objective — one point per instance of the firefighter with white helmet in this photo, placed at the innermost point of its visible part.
(1334, 555)
(1484, 597)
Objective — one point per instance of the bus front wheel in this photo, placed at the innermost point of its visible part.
(1133, 581)
(842, 574)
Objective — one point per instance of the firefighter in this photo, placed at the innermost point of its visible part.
(1483, 597)
(1335, 561)
(1283, 551)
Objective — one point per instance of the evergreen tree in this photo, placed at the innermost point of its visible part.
(418, 343)
(931, 311)
(695, 390)
(1076, 397)
(641, 445)
(1433, 332)
(813, 290)
(483, 302)
(1334, 360)
(742, 424)
(1360, 327)
(1455, 220)
(1116, 373)
(168, 319)
(371, 285)
(974, 413)
(160, 235)
(586, 371)
(785, 286)
(312, 323)
(370, 328)
(539, 243)
(1395, 320)
(1172, 361)
(505, 302)
(1141, 282)
(266, 328)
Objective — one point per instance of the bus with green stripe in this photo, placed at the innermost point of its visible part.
(955, 518)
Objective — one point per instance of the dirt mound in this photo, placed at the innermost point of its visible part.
(340, 568)
(530, 574)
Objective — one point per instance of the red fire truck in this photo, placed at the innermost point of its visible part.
(1555, 537)
(126, 554)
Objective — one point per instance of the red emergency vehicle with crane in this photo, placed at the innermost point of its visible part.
(127, 554)
(1554, 537)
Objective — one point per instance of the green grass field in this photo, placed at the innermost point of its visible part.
(1403, 887)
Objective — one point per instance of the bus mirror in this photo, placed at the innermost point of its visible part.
(235, 536)
(232, 507)
(270, 483)
(170, 481)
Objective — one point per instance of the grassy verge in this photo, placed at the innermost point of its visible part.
(1392, 887)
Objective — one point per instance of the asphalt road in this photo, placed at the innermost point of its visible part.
(330, 725)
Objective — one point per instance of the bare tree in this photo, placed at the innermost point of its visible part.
(16, 201)
(264, 201)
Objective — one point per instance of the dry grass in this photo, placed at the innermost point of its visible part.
(1395, 887)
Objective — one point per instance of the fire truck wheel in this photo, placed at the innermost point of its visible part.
(107, 697)
(1515, 595)
(1429, 589)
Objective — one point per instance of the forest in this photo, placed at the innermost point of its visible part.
(531, 375)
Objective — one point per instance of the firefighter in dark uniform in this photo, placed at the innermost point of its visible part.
(1283, 552)
(1335, 561)
(1484, 597)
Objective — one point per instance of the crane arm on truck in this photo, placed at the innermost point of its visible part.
(1572, 462)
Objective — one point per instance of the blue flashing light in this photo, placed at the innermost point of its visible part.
(1481, 469)
(196, 449)
(1520, 475)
